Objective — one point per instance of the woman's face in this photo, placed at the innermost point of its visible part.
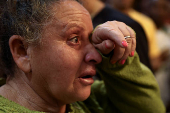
(63, 64)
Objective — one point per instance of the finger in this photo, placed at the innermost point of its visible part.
(118, 53)
(122, 27)
(133, 37)
(127, 51)
(133, 47)
(105, 47)
(109, 30)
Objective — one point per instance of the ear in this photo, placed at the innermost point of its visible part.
(19, 53)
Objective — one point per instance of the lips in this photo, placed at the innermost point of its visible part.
(86, 78)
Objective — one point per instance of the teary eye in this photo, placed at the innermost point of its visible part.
(75, 39)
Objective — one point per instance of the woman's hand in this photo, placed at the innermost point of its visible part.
(111, 36)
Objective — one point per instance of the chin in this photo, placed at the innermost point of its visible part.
(83, 94)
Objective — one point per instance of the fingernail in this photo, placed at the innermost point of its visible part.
(122, 62)
(124, 43)
(113, 62)
(132, 53)
(107, 46)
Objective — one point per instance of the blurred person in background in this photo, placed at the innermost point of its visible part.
(159, 11)
(126, 7)
(101, 12)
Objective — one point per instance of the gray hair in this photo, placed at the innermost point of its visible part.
(25, 18)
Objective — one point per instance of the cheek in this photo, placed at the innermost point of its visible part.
(66, 61)
(57, 65)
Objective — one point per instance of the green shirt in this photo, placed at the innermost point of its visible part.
(128, 88)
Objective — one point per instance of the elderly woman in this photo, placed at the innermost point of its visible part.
(48, 55)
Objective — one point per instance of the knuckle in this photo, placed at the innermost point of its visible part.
(129, 40)
(133, 35)
(114, 21)
(109, 22)
(121, 23)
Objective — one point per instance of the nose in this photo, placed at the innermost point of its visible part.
(92, 55)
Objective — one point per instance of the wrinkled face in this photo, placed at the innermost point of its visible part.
(64, 63)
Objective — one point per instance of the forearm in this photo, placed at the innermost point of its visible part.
(131, 87)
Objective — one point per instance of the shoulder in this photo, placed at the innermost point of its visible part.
(110, 14)
(7, 106)
(140, 16)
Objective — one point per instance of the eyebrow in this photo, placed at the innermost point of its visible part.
(71, 25)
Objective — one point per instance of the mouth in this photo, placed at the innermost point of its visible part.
(87, 78)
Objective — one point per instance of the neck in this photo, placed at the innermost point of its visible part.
(25, 96)
(93, 6)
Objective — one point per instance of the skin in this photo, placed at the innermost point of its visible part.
(70, 53)
(94, 7)
(125, 6)
(49, 75)
(110, 36)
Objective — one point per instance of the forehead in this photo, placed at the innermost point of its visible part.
(69, 10)
(68, 16)
(70, 5)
